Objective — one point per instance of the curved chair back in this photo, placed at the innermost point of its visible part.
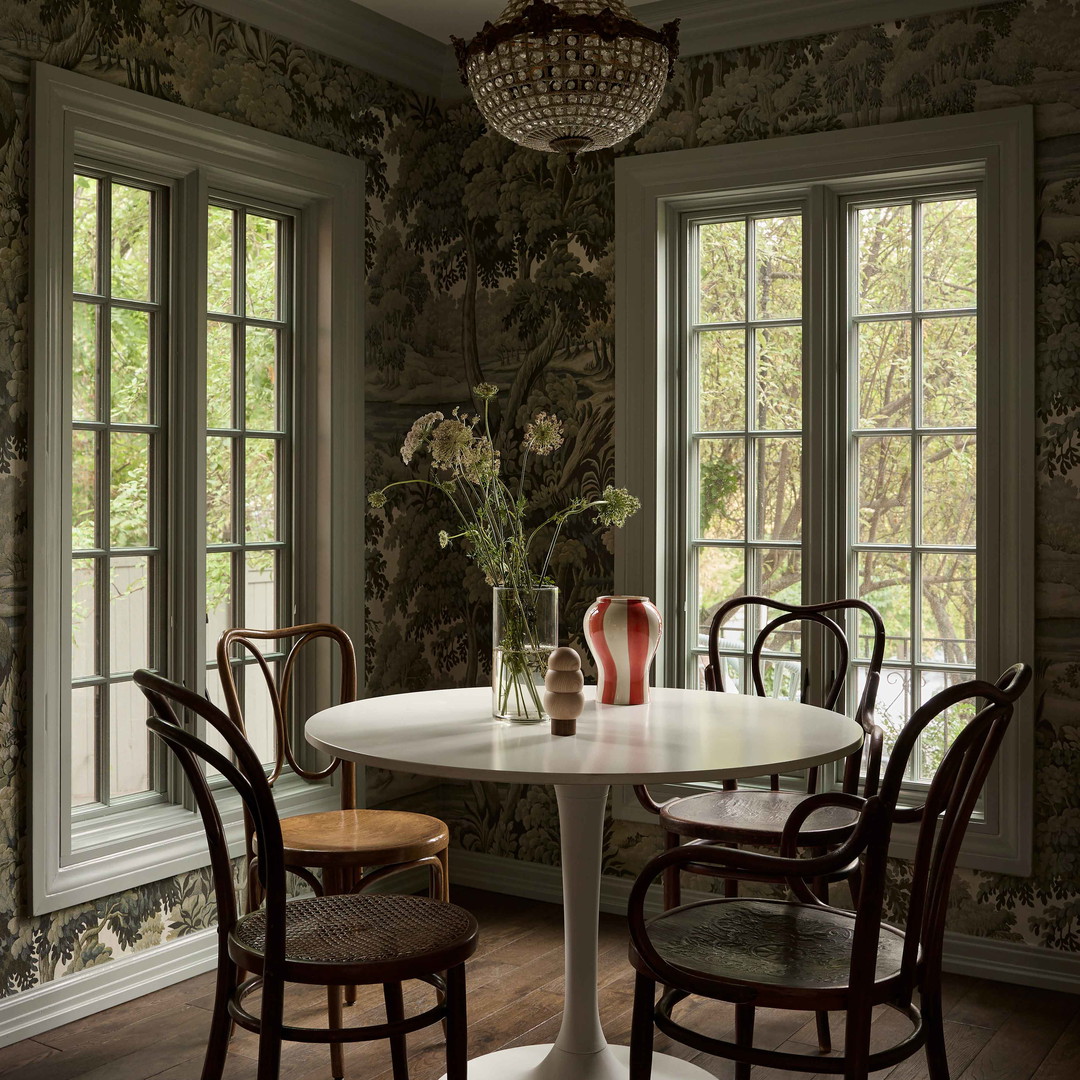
(830, 616)
(280, 692)
(245, 773)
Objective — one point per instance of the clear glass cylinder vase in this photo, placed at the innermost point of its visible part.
(525, 629)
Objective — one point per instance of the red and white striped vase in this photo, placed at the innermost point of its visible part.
(623, 633)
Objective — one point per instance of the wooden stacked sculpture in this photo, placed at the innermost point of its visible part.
(563, 696)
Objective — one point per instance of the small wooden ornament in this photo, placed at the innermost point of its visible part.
(563, 696)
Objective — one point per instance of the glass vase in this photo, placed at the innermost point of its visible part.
(525, 629)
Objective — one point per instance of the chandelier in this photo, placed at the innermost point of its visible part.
(567, 78)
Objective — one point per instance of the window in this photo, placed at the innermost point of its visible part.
(195, 326)
(839, 317)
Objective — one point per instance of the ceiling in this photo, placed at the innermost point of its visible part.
(439, 19)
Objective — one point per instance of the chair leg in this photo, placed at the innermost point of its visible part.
(444, 862)
(334, 1018)
(937, 1061)
(672, 887)
(221, 1025)
(271, 1015)
(641, 1027)
(457, 1025)
(395, 1013)
(857, 1042)
(350, 878)
(824, 1034)
(744, 1036)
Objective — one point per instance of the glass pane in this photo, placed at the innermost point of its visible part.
(782, 679)
(733, 632)
(260, 370)
(83, 618)
(129, 613)
(260, 490)
(779, 489)
(129, 513)
(938, 735)
(778, 269)
(779, 575)
(84, 473)
(722, 380)
(722, 272)
(260, 594)
(948, 490)
(948, 608)
(129, 740)
(720, 576)
(84, 746)
(219, 599)
(261, 280)
(732, 673)
(884, 374)
(721, 488)
(219, 490)
(217, 695)
(220, 225)
(779, 379)
(131, 227)
(84, 361)
(950, 253)
(130, 379)
(85, 248)
(884, 490)
(219, 375)
(950, 363)
(884, 580)
(884, 258)
(893, 707)
(259, 712)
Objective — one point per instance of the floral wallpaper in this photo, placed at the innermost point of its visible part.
(490, 262)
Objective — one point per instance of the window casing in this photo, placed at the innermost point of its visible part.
(297, 366)
(827, 179)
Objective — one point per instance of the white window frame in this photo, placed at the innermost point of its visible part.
(653, 192)
(199, 154)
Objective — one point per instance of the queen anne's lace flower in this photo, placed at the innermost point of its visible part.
(544, 435)
(619, 504)
(419, 435)
(377, 499)
(452, 444)
(444, 538)
(483, 464)
(485, 391)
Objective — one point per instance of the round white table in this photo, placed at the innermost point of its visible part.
(681, 735)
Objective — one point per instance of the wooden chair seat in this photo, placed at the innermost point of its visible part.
(774, 946)
(360, 939)
(754, 817)
(361, 838)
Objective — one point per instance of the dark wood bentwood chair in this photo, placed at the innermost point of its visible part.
(802, 954)
(737, 816)
(322, 940)
(351, 848)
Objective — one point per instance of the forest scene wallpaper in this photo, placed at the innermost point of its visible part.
(487, 262)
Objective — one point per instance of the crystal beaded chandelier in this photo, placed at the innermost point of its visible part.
(570, 77)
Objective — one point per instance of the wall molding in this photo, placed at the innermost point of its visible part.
(71, 997)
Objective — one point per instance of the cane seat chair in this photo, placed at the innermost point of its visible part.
(737, 816)
(801, 953)
(328, 940)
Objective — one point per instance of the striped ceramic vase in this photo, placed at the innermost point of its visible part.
(623, 633)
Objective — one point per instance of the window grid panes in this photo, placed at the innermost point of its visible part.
(913, 348)
(118, 315)
(248, 342)
(744, 453)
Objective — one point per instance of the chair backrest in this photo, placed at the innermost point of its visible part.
(246, 775)
(942, 819)
(279, 691)
(831, 617)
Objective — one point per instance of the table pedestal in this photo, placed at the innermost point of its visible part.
(580, 1052)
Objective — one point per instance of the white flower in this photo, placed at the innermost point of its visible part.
(418, 435)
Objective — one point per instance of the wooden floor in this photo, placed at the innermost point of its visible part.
(994, 1031)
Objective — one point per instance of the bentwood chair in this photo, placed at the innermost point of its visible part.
(321, 940)
(802, 954)
(352, 848)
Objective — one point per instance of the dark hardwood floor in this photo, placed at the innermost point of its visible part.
(995, 1031)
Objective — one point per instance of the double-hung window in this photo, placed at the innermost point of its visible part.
(837, 369)
(196, 339)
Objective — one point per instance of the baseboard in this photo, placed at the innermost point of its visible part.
(71, 997)
(985, 958)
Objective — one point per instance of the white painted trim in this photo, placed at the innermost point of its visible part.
(984, 958)
(71, 997)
